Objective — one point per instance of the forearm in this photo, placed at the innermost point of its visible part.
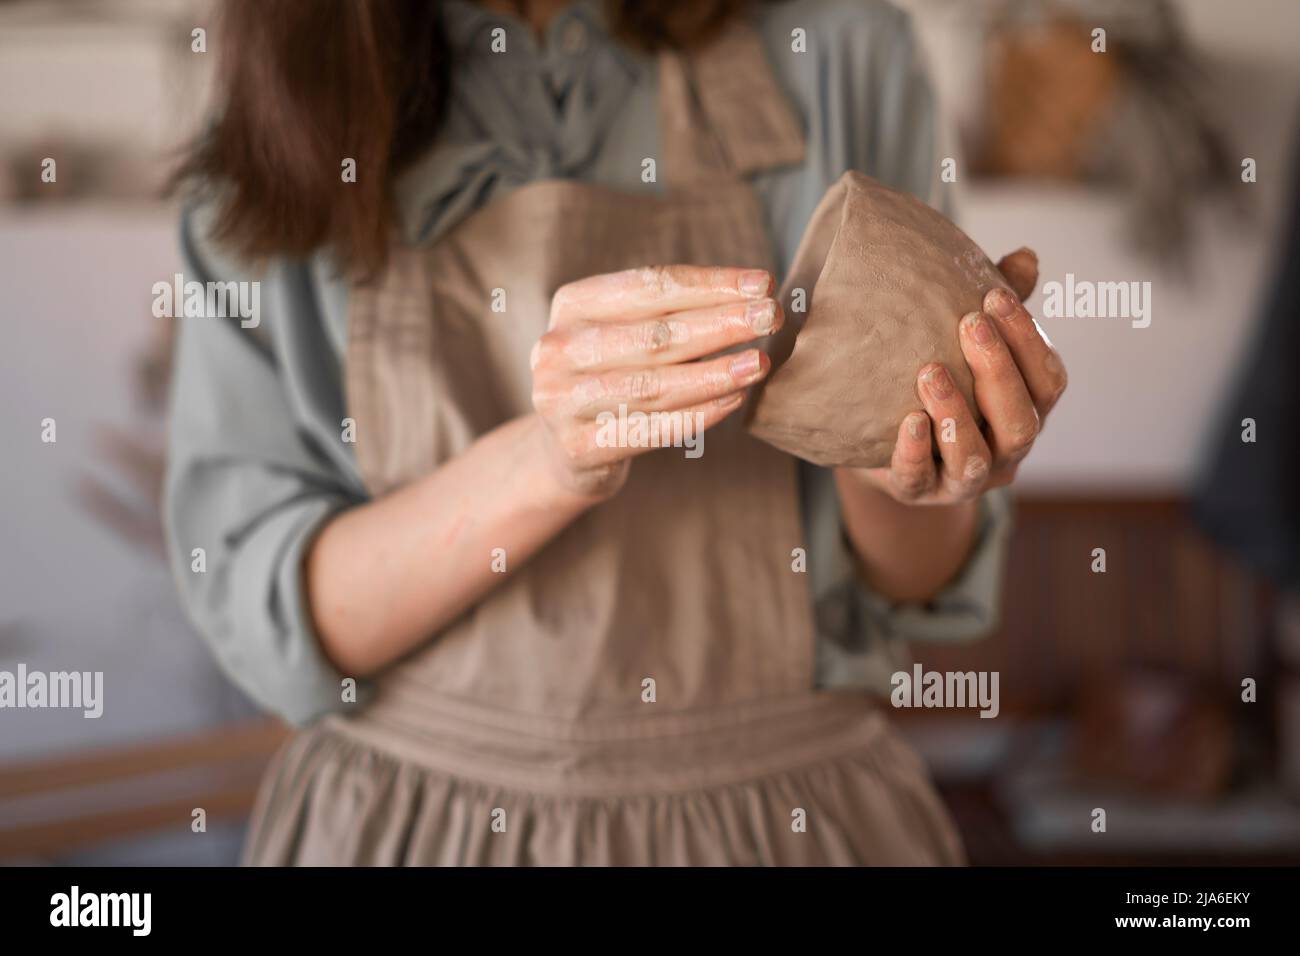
(382, 578)
(906, 553)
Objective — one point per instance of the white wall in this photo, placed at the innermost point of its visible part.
(1140, 399)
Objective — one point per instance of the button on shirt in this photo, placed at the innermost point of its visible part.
(255, 465)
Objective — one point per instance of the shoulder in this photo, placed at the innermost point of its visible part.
(300, 302)
(845, 31)
(857, 76)
(843, 61)
(209, 256)
(206, 257)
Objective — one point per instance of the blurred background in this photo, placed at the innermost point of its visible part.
(1120, 690)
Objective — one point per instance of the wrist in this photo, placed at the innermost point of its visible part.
(906, 553)
(566, 486)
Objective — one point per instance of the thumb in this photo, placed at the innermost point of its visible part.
(1020, 268)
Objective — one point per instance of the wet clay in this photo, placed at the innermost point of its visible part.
(885, 281)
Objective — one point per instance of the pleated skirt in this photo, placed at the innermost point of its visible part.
(819, 780)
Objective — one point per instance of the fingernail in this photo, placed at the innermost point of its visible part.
(938, 381)
(1002, 303)
(761, 316)
(979, 329)
(747, 365)
(916, 425)
(755, 283)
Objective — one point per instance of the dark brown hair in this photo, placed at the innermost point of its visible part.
(304, 84)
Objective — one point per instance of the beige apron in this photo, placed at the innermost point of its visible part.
(524, 732)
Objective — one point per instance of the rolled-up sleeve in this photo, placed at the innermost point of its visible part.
(249, 484)
(862, 638)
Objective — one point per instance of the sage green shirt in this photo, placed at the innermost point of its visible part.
(256, 461)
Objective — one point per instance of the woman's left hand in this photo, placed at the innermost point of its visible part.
(1018, 377)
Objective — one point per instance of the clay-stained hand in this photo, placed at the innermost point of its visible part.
(1018, 377)
(628, 341)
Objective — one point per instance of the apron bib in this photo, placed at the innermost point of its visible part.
(534, 702)
(685, 576)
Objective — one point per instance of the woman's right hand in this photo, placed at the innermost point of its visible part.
(628, 342)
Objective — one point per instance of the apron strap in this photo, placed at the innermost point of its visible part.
(722, 113)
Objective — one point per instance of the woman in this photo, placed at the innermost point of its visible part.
(484, 225)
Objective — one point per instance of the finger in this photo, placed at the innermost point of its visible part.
(641, 293)
(1040, 365)
(1003, 475)
(1000, 390)
(912, 470)
(1020, 268)
(664, 339)
(664, 388)
(598, 443)
(965, 455)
